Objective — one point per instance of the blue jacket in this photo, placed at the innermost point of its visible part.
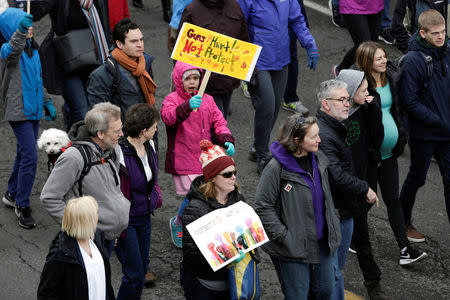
(268, 22)
(426, 100)
(23, 92)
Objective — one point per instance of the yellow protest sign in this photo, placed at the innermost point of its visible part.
(216, 52)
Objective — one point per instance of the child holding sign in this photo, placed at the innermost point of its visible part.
(189, 118)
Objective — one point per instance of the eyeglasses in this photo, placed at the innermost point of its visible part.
(118, 131)
(228, 174)
(342, 99)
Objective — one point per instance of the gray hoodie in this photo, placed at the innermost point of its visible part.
(100, 183)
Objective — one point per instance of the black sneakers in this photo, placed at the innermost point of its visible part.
(336, 17)
(24, 217)
(8, 200)
(411, 255)
(386, 36)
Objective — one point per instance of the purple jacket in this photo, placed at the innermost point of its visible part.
(360, 7)
(145, 196)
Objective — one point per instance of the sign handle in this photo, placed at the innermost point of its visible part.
(205, 80)
(28, 6)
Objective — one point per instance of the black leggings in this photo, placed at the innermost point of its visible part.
(362, 28)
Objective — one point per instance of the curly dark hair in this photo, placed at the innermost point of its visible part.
(121, 29)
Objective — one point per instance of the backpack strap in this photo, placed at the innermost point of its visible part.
(88, 164)
(429, 62)
(113, 68)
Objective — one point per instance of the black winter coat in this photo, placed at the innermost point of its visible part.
(407, 8)
(65, 15)
(64, 274)
(193, 260)
(226, 19)
(348, 191)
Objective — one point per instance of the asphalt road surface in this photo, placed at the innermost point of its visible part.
(22, 252)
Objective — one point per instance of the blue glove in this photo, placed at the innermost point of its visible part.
(313, 58)
(195, 101)
(50, 111)
(230, 148)
(27, 21)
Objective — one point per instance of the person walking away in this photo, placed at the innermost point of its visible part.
(77, 265)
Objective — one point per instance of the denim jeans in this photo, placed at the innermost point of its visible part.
(421, 153)
(267, 100)
(22, 177)
(341, 256)
(74, 93)
(194, 290)
(300, 279)
(132, 252)
(223, 102)
(386, 20)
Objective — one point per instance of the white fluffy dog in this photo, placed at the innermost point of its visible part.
(54, 141)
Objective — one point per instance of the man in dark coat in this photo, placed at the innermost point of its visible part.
(426, 100)
(348, 191)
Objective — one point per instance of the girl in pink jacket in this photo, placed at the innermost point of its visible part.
(189, 118)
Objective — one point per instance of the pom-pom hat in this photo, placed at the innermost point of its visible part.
(213, 159)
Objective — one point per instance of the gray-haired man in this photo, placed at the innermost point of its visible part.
(91, 167)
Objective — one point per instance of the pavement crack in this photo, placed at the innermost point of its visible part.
(24, 261)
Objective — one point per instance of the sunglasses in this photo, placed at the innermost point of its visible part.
(228, 174)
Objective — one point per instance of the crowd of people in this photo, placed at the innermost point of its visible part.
(318, 180)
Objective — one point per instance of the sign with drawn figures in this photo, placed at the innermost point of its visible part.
(222, 233)
(216, 52)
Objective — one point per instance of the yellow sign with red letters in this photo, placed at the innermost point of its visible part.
(216, 52)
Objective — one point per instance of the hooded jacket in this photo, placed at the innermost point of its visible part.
(268, 23)
(22, 93)
(193, 260)
(64, 274)
(285, 202)
(186, 128)
(102, 182)
(225, 17)
(348, 191)
(426, 100)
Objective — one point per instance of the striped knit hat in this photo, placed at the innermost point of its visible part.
(213, 159)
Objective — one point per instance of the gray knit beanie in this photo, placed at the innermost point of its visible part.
(352, 78)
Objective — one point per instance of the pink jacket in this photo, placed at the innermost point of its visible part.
(360, 7)
(186, 128)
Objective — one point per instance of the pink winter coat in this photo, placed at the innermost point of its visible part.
(360, 7)
(186, 128)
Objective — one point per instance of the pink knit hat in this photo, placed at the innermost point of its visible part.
(213, 159)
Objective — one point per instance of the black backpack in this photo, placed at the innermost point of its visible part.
(397, 66)
(88, 164)
(113, 68)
